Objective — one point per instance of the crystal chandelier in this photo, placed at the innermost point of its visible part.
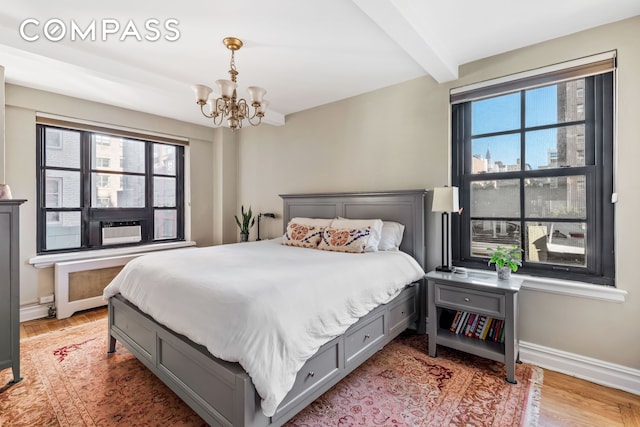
(227, 106)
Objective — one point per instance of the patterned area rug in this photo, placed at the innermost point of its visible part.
(69, 380)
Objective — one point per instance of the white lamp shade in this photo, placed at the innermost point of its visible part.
(226, 88)
(256, 94)
(262, 108)
(202, 93)
(445, 199)
(211, 103)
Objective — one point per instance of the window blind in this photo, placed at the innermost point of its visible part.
(53, 120)
(577, 68)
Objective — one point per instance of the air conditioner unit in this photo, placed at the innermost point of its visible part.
(118, 232)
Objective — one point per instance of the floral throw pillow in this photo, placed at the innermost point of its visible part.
(302, 236)
(353, 240)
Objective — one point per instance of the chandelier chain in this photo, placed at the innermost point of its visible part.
(233, 72)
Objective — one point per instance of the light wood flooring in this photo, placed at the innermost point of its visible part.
(566, 401)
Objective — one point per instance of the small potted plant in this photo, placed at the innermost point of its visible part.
(506, 259)
(247, 222)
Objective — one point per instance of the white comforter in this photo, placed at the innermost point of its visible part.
(267, 306)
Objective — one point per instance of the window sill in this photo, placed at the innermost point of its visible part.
(569, 287)
(572, 288)
(44, 261)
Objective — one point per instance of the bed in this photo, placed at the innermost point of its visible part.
(222, 392)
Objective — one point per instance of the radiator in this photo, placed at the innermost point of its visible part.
(78, 285)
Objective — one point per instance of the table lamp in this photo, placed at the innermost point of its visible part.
(445, 200)
(268, 215)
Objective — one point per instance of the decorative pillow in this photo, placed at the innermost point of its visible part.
(391, 236)
(302, 235)
(353, 240)
(374, 224)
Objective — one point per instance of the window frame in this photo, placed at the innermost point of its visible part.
(92, 217)
(599, 122)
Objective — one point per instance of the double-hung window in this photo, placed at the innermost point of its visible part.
(533, 160)
(92, 180)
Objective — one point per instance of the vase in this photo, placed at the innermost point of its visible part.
(5, 192)
(244, 237)
(504, 273)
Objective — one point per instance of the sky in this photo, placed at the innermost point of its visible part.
(503, 113)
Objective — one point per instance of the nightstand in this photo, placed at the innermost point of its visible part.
(482, 295)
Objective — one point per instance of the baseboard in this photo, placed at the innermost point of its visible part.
(34, 311)
(594, 370)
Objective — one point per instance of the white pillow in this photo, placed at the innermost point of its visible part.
(317, 222)
(376, 229)
(391, 236)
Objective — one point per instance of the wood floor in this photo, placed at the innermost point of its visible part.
(566, 401)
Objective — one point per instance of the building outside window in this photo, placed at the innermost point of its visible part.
(535, 169)
(87, 179)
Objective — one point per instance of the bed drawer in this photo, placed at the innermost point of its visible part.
(401, 314)
(137, 330)
(462, 299)
(317, 370)
(364, 340)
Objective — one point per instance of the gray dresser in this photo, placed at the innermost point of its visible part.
(10, 286)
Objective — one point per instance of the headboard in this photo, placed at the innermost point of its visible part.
(406, 207)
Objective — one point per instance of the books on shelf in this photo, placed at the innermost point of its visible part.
(454, 323)
(470, 323)
(463, 321)
(485, 329)
(477, 326)
(481, 323)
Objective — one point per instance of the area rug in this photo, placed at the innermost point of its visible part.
(69, 380)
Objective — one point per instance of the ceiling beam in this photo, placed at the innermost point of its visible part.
(407, 29)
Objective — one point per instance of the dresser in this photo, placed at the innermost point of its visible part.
(10, 286)
(477, 294)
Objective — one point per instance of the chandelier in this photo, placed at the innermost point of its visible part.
(227, 106)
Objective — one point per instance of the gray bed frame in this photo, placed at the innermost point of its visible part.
(222, 392)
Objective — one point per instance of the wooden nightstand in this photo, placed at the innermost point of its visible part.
(481, 294)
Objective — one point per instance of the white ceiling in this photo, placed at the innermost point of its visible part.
(305, 53)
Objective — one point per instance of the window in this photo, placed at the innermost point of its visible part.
(534, 168)
(54, 139)
(103, 140)
(88, 178)
(102, 162)
(103, 181)
(53, 196)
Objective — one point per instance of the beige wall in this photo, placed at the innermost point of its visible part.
(359, 144)
(225, 176)
(398, 138)
(21, 107)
